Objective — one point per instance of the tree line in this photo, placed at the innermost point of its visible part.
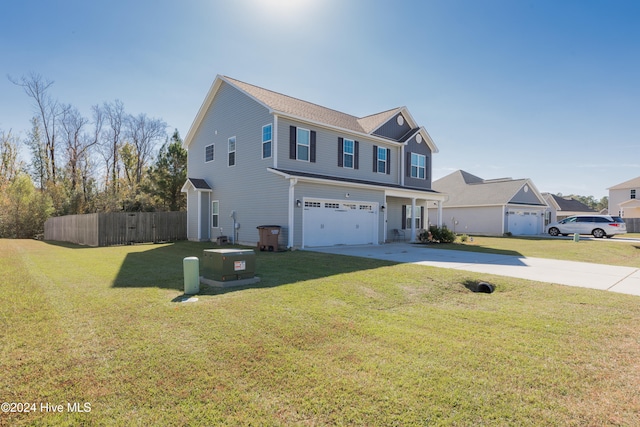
(107, 162)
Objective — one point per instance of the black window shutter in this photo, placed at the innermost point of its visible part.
(292, 142)
(356, 154)
(408, 164)
(388, 161)
(422, 217)
(375, 158)
(427, 166)
(404, 217)
(312, 154)
(340, 151)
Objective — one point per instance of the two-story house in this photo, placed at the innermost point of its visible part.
(257, 157)
(624, 199)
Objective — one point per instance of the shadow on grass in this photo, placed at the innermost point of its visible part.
(162, 266)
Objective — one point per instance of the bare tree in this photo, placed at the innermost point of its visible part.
(10, 164)
(78, 140)
(48, 111)
(145, 134)
(113, 117)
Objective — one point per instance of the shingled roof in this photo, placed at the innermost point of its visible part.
(310, 111)
(568, 204)
(465, 189)
(297, 109)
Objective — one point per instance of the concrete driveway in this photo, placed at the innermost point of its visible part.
(624, 280)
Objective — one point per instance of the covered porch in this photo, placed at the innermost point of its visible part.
(406, 213)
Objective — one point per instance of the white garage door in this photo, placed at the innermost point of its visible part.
(523, 222)
(335, 222)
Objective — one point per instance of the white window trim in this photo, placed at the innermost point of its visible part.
(345, 154)
(410, 217)
(417, 166)
(267, 141)
(235, 157)
(382, 150)
(218, 214)
(213, 152)
(308, 159)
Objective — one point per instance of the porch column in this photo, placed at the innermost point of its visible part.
(439, 213)
(413, 219)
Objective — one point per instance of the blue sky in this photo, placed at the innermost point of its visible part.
(547, 90)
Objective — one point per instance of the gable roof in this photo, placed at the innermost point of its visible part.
(465, 189)
(295, 108)
(567, 204)
(632, 183)
(197, 184)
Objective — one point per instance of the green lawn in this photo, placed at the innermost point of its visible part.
(322, 340)
(598, 251)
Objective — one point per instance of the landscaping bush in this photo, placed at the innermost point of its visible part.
(437, 235)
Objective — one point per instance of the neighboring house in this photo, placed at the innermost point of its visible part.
(563, 207)
(257, 157)
(491, 206)
(624, 199)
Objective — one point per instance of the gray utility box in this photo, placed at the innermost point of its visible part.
(228, 264)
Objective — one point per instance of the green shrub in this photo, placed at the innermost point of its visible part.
(463, 238)
(437, 235)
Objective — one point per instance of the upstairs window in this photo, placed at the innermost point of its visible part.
(633, 194)
(232, 151)
(266, 141)
(348, 153)
(418, 166)
(382, 160)
(303, 142)
(208, 153)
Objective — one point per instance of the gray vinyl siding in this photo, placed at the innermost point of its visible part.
(392, 130)
(475, 220)
(192, 215)
(334, 192)
(422, 148)
(327, 155)
(528, 197)
(257, 196)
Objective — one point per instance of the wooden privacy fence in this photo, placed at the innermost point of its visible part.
(633, 225)
(117, 228)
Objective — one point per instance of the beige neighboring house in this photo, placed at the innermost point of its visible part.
(563, 207)
(623, 199)
(490, 206)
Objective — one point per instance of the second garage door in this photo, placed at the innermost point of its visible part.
(335, 222)
(523, 223)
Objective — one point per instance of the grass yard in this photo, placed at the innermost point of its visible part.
(322, 340)
(596, 251)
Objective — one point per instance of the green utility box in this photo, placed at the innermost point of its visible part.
(228, 264)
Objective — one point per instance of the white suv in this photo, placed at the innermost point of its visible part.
(597, 225)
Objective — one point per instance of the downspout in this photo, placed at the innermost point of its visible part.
(292, 184)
